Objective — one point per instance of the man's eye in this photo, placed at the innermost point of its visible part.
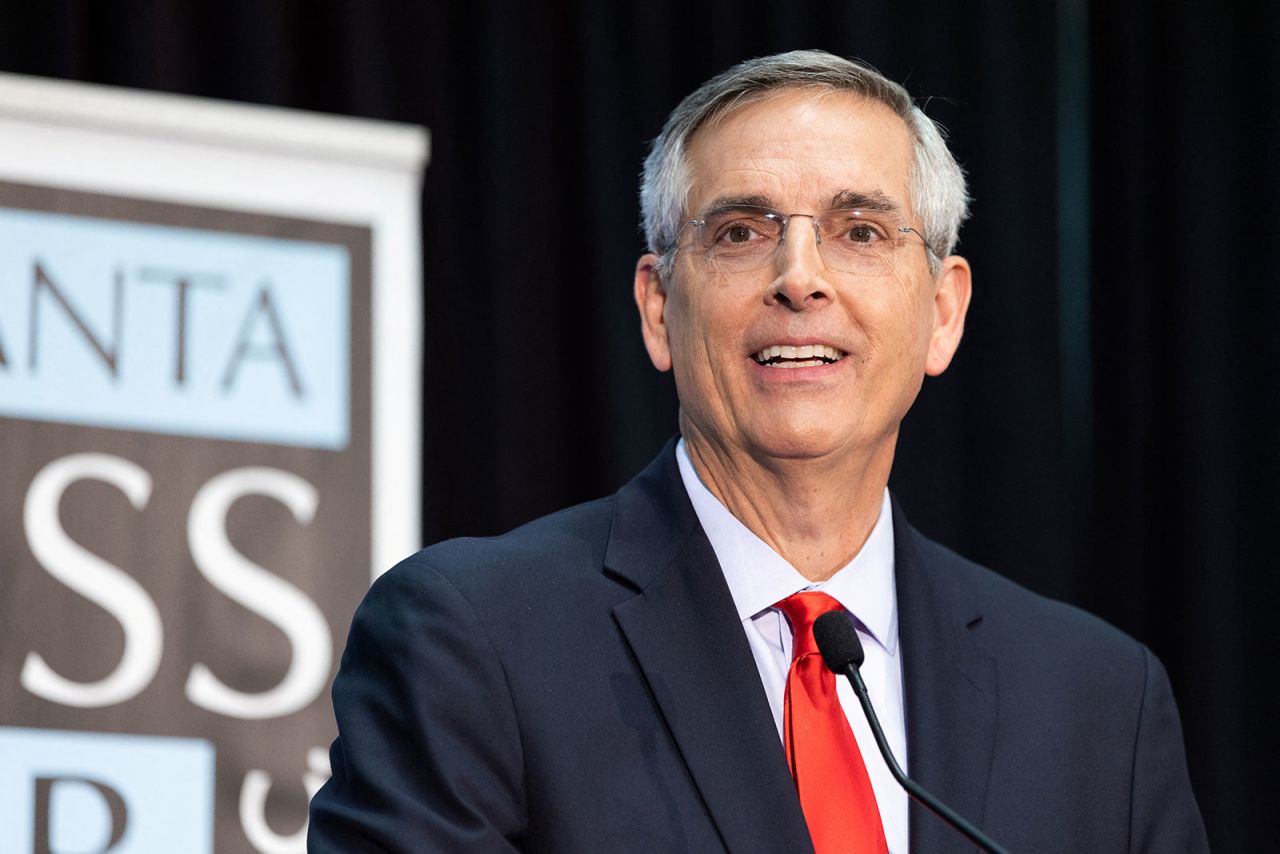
(741, 231)
(863, 234)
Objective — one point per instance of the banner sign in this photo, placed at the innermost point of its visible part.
(187, 432)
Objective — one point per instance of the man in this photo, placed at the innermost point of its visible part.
(638, 673)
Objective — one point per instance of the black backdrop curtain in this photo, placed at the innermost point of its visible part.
(1105, 435)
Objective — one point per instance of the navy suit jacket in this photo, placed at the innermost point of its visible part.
(583, 684)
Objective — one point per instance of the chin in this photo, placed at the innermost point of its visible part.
(800, 441)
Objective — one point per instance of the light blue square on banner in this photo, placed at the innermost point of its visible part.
(100, 792)
(174, 330)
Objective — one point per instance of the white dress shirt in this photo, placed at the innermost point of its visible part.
(759, 577)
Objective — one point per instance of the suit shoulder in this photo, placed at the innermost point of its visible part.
(568, 542)
(1015, 617)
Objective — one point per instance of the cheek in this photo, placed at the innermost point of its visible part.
(685, 335)
(897, 321)
(675, 316)
(703, 327)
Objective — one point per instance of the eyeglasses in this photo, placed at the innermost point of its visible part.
(743, 238)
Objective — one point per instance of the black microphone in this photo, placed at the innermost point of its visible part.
(842, 651)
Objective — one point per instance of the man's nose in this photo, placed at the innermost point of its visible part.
(801, 283)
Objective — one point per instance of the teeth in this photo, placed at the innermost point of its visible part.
(798, 363)
(803, 356)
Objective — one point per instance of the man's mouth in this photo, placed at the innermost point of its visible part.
(803, 356)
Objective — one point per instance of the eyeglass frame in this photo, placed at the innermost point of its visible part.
(785, 221)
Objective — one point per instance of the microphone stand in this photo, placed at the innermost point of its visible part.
(950, 816)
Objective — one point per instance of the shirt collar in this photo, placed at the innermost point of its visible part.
(758, 577)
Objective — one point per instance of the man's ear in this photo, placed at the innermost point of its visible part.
(950, 304)
(651, 300)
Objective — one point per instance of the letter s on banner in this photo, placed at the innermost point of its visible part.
(263, 593)
(102, 583)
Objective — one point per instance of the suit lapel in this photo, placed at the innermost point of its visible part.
(950, 690)
(686, 636)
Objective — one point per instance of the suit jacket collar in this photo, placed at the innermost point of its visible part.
(949, 684)
(685, 634)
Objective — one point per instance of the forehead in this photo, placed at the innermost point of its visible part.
(799, 149)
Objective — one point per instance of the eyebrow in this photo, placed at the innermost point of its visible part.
(872, 201)
(842, 200)
(728, 203)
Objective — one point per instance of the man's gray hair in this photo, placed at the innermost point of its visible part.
(936, 183)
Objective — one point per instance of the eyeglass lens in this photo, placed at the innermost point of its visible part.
(851, 241)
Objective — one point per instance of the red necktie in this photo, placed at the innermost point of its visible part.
(835, 791)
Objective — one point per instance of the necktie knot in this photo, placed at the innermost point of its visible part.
(802, 609)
